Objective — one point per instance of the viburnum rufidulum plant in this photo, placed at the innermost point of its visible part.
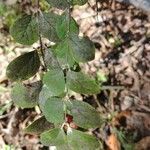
(63, 118)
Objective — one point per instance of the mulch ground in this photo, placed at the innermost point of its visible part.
(121, 34)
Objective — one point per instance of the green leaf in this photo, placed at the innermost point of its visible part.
(74, 49)
(54, 137)
(25, 30)
(54, 80)
(54, 110)
(5, 107)
(44, 95)
(47, 26)
(51, 60)
(65, 24)
(81, 141)
(38, 126)
(26, 97)
(64, 54)
(61, 4)
(83, 49)
(84, 115)
(23, 67)
(101, 77)
(75, 140)
(82, 83)
(79, 2)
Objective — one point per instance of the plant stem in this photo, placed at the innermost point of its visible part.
(42, 53)
(69, 13)
(112, 87)
(40, 38)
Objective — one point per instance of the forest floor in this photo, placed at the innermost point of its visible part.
(121, 34)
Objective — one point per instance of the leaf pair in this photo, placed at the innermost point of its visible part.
(74, 140)
(27, 28)
(76, 81)
(84, 115)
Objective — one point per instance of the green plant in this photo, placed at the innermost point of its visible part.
(62, 117)
(8, 14)
(127, 143)
(9, 147)
(4, 107)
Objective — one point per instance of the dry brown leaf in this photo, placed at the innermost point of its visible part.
(113, 143)
(134, 121)
(120, 119)
(143, 144)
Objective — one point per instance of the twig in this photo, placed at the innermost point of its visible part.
(100, 106)
(112, 87)
(111, 100)
(97, 102)
(40, 38)
(41, 49)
